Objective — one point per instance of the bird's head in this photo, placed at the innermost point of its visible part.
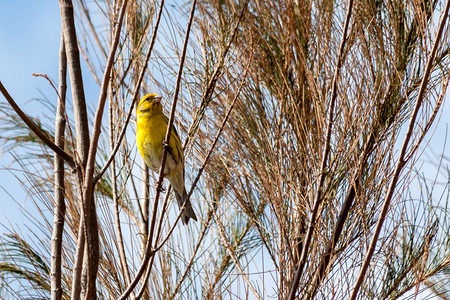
(151, 104)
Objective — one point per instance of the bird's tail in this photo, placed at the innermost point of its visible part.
(188, 212)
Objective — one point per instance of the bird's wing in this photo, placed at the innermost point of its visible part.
(175, 144)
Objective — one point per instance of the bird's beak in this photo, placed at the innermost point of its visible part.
(158, 99)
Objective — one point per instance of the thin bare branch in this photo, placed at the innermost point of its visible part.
(226, 243)
(81, 123)
(35, 129)
(401, 162)
(59, 190)
(120, 243)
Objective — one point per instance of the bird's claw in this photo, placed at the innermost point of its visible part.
(160, 189)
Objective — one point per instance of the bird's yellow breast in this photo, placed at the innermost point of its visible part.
(150, 134)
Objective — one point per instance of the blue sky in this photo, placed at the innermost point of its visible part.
(30, 32)
(29, 35)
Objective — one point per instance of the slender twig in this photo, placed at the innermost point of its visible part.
(135, 93)
(430, 121)
(158, 231)
(120, 244)
(194, 253)
(144, 206)
(226, 258)
(322, 173)
(148, 251)
(345, 210)
(103, 94)
(219, 132)
(231, 252)
(72, 140)
(157, 248)
(59, 205)
(214, 77)
(92, 29)
(170, 123)
(33, 127)
(401, 162)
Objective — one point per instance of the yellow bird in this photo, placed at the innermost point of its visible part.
(150, 135)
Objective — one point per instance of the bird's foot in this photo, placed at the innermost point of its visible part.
(160, 188)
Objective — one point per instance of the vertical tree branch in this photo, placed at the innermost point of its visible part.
(60, 206)
(81, 123)
(88, 192)
(85, 151)
(145, 205)
(326, 150)
(78, 264)
(401, 162)
(76, 79)
(80, 112)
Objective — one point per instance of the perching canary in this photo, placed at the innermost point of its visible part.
(150, 134)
